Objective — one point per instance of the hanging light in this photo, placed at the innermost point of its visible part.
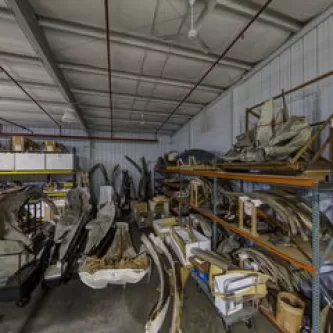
(142, 121)
(69, 117)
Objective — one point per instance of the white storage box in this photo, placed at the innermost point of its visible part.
(7, 161)
(29, 161)
(227, 307)
(233, 282)
(59, 161)
(201, 242)
(236, 283)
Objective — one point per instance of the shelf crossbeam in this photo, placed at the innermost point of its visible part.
(38, 172)
(307, 267)
(301, 181)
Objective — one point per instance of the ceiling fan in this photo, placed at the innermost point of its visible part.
(192, 34)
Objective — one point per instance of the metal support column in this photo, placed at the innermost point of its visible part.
(315, 261)
(180, 206)
(214, 199)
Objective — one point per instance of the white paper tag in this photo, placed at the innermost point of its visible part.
(248, 207)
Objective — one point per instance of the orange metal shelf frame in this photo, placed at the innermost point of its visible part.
(307, 267)
(172, 185)
(252, 177)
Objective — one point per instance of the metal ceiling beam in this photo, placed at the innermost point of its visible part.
(30, 84)
(26, 19)
(30, 114)
(29, 117)
(134, 121)
(16, 101)
(133, 130)
(103, 93)
(129, 128)
(139, 112)
(81, 91)
(134, 77)
(87, 69)
(138, 41)
(249, 9)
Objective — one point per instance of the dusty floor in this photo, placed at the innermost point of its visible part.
(77, 309)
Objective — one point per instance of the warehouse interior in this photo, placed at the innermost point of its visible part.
(166, 166)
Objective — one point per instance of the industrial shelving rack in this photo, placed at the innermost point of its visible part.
(36, 172)
(306, 183)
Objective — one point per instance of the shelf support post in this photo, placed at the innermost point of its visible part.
(214, 238)
(180, 206)
(315, 261)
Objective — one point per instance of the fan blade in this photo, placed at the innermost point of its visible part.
(209, 7)
(202, 45)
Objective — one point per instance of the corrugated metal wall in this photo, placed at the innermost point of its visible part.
(209, 130)
(113, 153)
(307, 58)
(304, 57)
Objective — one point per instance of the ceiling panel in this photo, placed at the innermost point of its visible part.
(91, 51)
(223, 77)
(169, 92)
(145, 89)
(183, 69)
(154, 63)
(301, 10)
(12, 39)
(220, 28)
(10, 90)
(118, 114)
(27, 105)
(82, 11)
(21, 71)
(132, 15)
(169, 17)
(200, 96)
(85, 80)
(159, 106)
(258, 42)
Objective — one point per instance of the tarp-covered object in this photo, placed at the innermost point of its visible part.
(271, 139)
(120, 265)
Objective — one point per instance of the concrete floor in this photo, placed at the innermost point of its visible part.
(76, 308)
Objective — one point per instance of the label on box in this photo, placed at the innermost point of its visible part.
(248, 207)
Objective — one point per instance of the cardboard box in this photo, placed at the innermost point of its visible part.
(48, 212)
(18, 143)
(59, 161)
(160, 205)
(162, 227)
(7, 161)
(139, 207)
(50, 145)
(29, 161)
